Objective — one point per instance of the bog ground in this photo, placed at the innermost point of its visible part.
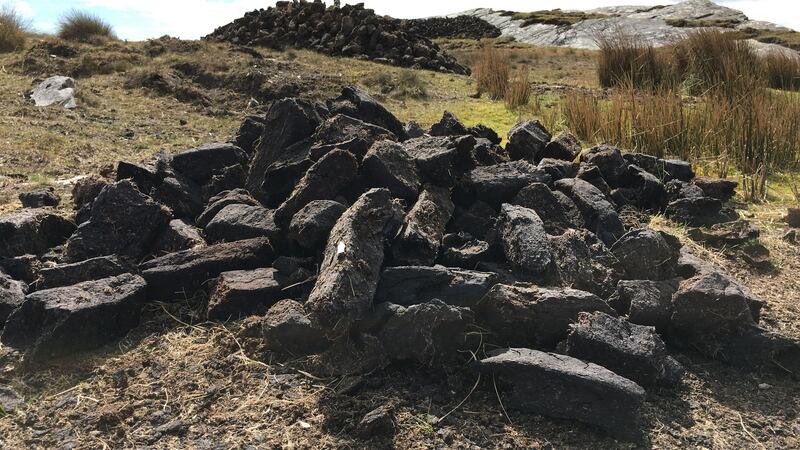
(327, 274)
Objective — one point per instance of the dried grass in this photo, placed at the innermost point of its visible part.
(13, 29)
(491, 71)
(84, 26)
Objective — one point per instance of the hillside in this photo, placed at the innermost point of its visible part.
(658, 25)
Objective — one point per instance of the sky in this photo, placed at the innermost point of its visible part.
(192, 19)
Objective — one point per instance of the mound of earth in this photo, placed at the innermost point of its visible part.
(350, 30)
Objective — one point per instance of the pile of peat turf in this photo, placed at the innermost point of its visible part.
(350, 30)
(338, 231)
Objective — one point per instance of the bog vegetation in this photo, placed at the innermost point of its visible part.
(709, 98)
(13, 29)
(83, 26)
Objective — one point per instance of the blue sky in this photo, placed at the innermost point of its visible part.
(191, 19)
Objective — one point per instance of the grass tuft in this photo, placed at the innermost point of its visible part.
(519, 90)
(491, 71)
(13, 29)
(84, 26)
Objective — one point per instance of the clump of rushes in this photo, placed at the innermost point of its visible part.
(519, 90)
(491, 71)
(13, 30)
(84, 26)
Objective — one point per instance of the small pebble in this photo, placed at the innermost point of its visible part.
(764, 386)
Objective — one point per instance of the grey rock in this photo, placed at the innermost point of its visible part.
(564, 147)
(527, 140)
(56, 90)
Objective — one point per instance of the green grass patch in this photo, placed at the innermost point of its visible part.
(553, 17)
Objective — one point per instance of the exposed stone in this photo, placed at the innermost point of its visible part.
(56, 90)
(347, 133)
